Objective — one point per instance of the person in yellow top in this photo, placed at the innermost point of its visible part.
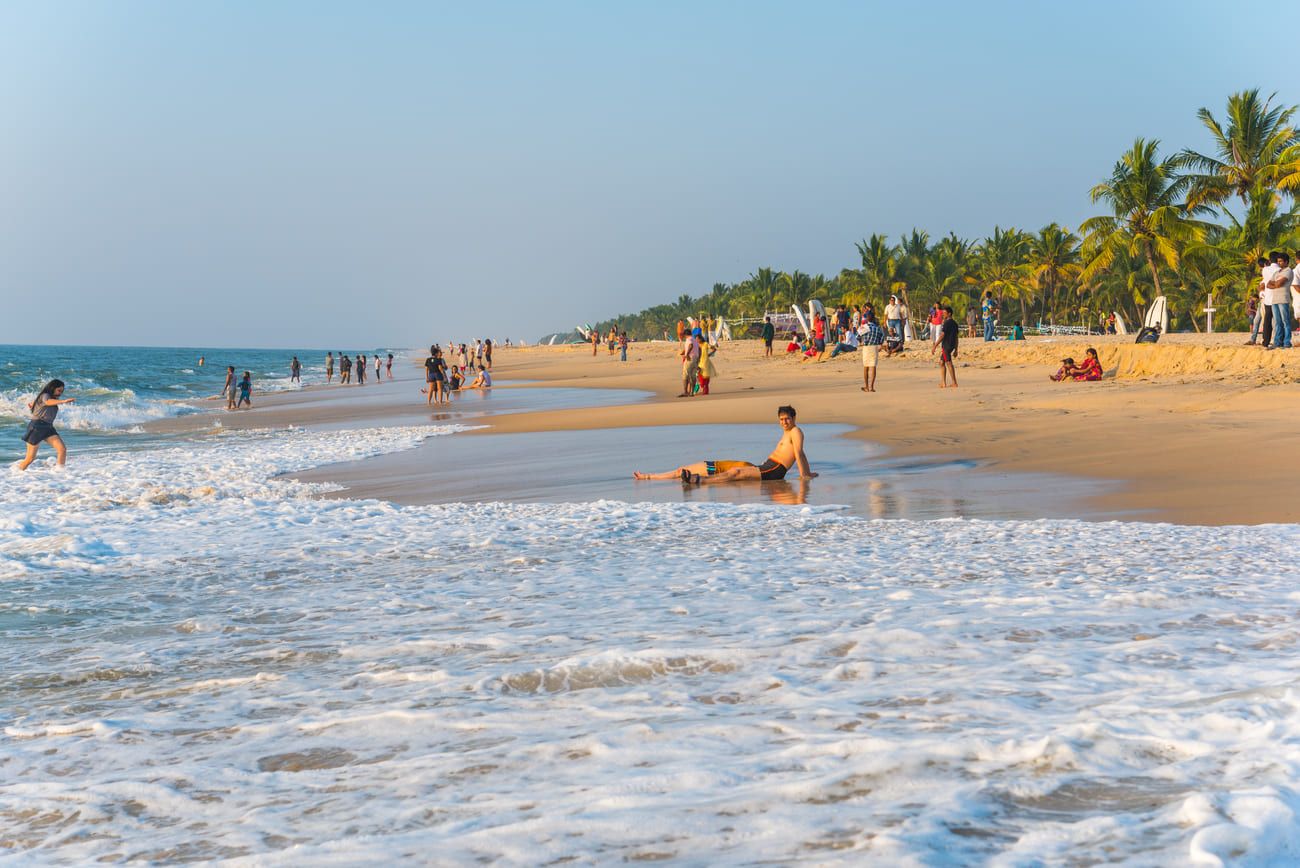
(707, 369)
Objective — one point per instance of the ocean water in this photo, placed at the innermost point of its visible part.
(201, 659)
(119, 388)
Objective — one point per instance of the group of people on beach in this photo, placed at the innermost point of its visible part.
(614, 339)
(352, 371)
(854, 329)
(1089, 371)
(1275, 302)
(698, 370)
(237, 391)
(444, 377)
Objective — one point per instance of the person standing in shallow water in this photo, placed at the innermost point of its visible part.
(231, 389)
(45, 407)
(329, 367)
(295, 371)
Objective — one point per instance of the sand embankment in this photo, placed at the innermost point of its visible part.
(1181, 356)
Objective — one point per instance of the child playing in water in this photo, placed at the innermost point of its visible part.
(246, 391)
(44, 407)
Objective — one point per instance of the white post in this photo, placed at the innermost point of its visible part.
(1209, 314)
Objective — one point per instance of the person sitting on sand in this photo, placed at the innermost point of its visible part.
(1017, 332)
(788, 452)
(847, 344)
(1065, 372)
(482, 380)
(893, 344)
(1090, 370)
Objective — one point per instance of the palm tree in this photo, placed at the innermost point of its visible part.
(764, 289)
(938, 276)
(1053, 262)
(958, 248)
(1206, 270)
(795, 287)
(1247, 157)
(1000, 265)
(879, 265)
(1149, 219)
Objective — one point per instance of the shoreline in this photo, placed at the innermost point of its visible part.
(1157, 427)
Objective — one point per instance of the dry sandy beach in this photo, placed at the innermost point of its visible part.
(1183, 427)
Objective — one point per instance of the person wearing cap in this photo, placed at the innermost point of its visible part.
(690, 362)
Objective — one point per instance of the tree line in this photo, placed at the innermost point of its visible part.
(1189, 225)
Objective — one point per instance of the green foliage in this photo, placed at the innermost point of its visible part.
(1156, 237)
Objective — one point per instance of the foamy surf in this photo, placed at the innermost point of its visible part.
(204, 661)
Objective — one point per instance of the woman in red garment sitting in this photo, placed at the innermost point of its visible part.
(1090, 369)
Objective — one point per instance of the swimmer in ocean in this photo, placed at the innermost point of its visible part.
(788, 453)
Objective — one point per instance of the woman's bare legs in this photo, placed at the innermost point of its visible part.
(31, 456)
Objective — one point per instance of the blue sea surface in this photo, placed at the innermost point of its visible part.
(119, 388)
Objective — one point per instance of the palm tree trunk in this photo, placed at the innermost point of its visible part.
(1155, 272)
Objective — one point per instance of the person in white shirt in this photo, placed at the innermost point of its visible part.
(1295, 291)
(847, 344)
(1277, 283)
(895, 315)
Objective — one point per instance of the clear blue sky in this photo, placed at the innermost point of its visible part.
(361, 174)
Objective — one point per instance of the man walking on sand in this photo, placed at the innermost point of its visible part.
(948, 345)
(870, 336)
(769, 332)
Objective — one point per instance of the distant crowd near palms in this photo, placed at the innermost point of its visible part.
(1189, 225)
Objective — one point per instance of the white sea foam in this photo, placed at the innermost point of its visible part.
(96, 410)
(203, 661)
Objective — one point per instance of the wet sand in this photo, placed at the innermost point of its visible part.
(1179, 431)
(593, 465)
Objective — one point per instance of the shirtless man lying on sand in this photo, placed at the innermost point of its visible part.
(787, 453)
